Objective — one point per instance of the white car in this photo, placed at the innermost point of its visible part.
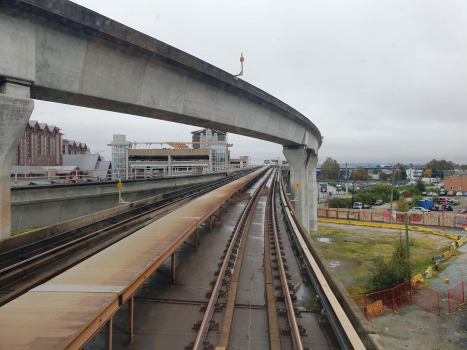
(459, 193)
(424, 210)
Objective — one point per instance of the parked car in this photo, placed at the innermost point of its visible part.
(379, 202)
(450, 193)
(442, 200)
(447, 207)
(419, 209)
(465, 194)
(442, 193)
(432, 194)
(359, 205)
(462, 211)
(459, 193)
(423, 193)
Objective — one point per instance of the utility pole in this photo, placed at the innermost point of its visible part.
(346, 181)
(392, 194)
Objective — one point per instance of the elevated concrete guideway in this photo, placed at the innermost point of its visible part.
(61, 52)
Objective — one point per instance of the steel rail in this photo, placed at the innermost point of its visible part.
(204, 328)
(297, 341)
(166, 202)
(340, 323)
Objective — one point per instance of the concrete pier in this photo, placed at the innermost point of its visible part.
(303, 188)
(15, 111)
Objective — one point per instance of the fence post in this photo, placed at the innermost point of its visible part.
(463, 296)
(410, 284)
(393, 302)
(366, 313)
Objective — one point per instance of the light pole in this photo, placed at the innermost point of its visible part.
(392, 194)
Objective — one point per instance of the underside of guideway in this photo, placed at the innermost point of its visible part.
(61, 52)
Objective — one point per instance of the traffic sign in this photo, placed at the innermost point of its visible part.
(119, 185)
(297, 185)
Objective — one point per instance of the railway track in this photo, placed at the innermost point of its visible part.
(289, 324)
(26, 267)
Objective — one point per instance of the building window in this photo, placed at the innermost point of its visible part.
(39, 144)
(450, 180)
(30, 145)
(48, 145)
(450, 188)
(459, 188)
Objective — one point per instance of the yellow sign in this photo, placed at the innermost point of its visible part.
(297, 185)
(119, 185)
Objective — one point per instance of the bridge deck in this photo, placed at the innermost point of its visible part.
(66, 311)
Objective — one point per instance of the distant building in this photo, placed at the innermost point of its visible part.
(119, 146)
(92, 165)
(217, 141)
(455, 183)
(73, 147)
(40, 145)
(240, 162)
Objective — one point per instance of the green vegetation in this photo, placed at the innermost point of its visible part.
(362, 244)
(390, 273)
(420, 187)
(368, 197)
(330, 170)
(15, 233)
(402, 205)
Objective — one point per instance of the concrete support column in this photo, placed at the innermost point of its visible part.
(303, 188)
(15, 109)
(169, 165)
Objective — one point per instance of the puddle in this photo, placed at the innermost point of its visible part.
(324, 240)
(341, 265)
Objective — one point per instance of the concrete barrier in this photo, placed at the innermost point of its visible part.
(416, 219)
(417, 279)
(52, 230)
(322, 212)
(371, 340)
(460, 221)
(377, 215)
(448, 220)
(431, 219)
(365, 215)
(36, 206)
(429, 272)
(342, 213)
(332, 212)
(354, 214)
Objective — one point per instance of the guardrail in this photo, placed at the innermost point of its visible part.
(60, 175)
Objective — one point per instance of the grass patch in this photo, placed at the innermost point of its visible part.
(15, 233)
(363, 244)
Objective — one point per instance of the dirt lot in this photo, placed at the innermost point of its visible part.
(350, 249)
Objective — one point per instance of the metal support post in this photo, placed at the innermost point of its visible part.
(173, 268)
(131, 304)
(108, 334)
(407, 239)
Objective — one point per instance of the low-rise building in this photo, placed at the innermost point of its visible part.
(455, 183)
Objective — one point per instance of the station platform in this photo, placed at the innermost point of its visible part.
(68, 310)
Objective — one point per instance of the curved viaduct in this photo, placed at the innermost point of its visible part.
(61, 52)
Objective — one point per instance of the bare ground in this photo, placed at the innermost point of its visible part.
(410, 327)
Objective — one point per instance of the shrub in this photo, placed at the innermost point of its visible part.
(402, 205)
(420, 187)
(390, 273)
(340, 203)
(415, 199)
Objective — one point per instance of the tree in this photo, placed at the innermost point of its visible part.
(426, 173)
(375, 171)
(397, 176)
(420, 187)
(403, 172)
(362, 172)
(330, 169)
(402, 205)
(356, 176)
(464, 167)
(383, 176)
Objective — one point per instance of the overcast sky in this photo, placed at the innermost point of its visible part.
(384, 81)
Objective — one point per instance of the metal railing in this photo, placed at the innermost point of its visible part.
(58, 176)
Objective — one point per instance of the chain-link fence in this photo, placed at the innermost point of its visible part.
(457, 296)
